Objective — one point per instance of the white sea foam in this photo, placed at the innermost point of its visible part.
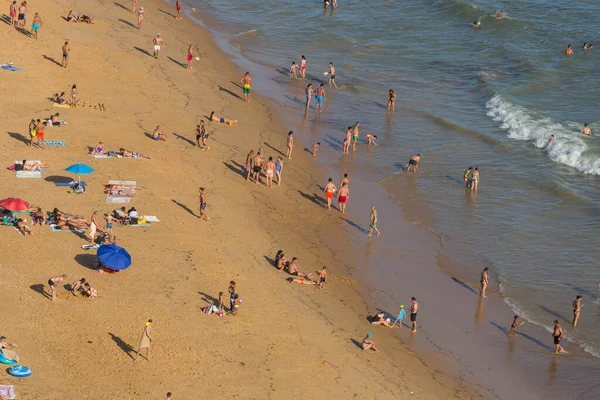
(522, 124)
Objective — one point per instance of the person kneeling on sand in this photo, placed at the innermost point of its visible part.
(77, 285)
(132, 154)
(368, 343)
(301, 281)
(158, 134)
(90, 291)
(379, 319)
(222, 120)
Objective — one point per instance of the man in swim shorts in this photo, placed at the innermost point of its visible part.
(257, 167)
(373, 222)
(413, 163)
(586, 130)
(270, 171)
(65, 54)
(331, 80)
(157, 42)
(557, 336)
(52, 283)
(247, 86)
(22, 20)
(202, 204)
(35, 25)
(320, 98)
(355, 134)
(40, 133)
(414, 307)
(158, 134)
(343, 195)
(329, 190)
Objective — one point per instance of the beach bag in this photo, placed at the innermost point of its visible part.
(141, 220)
(111, 153)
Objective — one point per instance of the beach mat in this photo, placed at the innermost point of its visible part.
(101, 156)
(138, 225)
(122, 183)
(118, 200)
(69, 184)
(8, 392)
(151, 218)
(29, 174)
(61, 105)
(55, 229)
(20, 212)
(55, 144)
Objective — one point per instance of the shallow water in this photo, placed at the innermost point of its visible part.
(488, 98)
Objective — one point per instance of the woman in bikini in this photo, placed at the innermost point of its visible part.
(309, 92)
(290, 144)
(74, 96)
(249, 164)
(475, 179)
(392, 101)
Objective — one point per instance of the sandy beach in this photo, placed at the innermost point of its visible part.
(288, 341)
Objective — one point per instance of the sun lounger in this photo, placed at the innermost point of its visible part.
(7, 391)
(55, 144)
(151, 218)
(55, 229)
(29, 174)
(69, 184)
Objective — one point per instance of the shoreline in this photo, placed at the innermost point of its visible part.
(75, 342)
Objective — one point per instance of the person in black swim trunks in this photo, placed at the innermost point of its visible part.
(414, 163)
(414, 307)
(52, 283)
(331, 79)
(203, 204)
(557, 335)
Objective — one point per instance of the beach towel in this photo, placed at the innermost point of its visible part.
(151, 218)
(118, 199)
(55, 229)
(122, 183)
(69, 184)
(29, 174)
(9, 67)
(7, 391)
(61, 105)
(57, 144)
(20, 212)
(146, 224)
(101, 156)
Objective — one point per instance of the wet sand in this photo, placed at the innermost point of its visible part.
(288, 341)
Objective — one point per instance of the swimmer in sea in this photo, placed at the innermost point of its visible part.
(331, 79)
(587, 47)
(569, 51)
(499, 14)
(586, 130)
(476, 24)
(550, 141)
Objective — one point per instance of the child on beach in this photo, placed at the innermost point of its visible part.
(323, 280)
(315, 148)
(279, 169)
(514, 326)
(235, 303)
(371, 139)
(90, 291)
(294, 70)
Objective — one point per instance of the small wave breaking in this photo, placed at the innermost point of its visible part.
(569, 148)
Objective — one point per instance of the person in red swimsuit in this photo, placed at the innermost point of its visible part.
(178, 5)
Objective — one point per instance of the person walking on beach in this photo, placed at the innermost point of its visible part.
(368, 343)
(343, 196)
(308, 92)
(484, 282)
(320, 98)
(190, 56)
(373, 222)
(65, 54)
(355, 134)
(279, 169)
(329, 190)
(586, 130)
(202, 204)
(93, 226)
(557, 334)
(36, 24)
(13, 12)
(303, 67)
(157, 41)
(331, 80)
(145, 340)
(178, 7)
(391, 105)
(140, 15)
(414, 163)
(290, 145)
(247, 86)
(475, 179)
(52, 283)
(269, 171)
(22, 20)
(577, 309)
(133, 5)
(414, 308)
(400, 318)
(345, 180)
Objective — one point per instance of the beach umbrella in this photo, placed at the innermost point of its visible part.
(14, 204)
(80, 169)
(114, 257)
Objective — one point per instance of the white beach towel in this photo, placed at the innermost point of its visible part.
(29, 174)
(151, 218)
(7, 391)
(118, 199)
(122, 183)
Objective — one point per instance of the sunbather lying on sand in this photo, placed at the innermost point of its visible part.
(60, 99)
(22, 226)
(58, 216)
(31, 166)
(301, 281)
(132, 154)
(120, 214)
(222, 120)
(78, 17)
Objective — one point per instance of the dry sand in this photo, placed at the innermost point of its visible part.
(288, 341)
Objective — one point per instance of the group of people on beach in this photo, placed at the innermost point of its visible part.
(282, 263)
(255, 165)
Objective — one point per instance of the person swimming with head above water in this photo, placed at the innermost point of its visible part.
(587, 46)
(476, 24)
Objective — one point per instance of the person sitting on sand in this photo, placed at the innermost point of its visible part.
(280, 260)
(77, 285)
(99, 149)
(368, 343)
(158, 134)
(53, 120)
(90, 291)
(379, 319)
(38, 217)
(120, 214)
(222, 120)
(60, 99)
(132, 154)
(7, 349)
(22, 226)
(293, 269)
(301, 281)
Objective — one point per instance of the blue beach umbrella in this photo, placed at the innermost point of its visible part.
(80, 169)
(114, 257)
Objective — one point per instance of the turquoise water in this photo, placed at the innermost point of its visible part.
(488, 98)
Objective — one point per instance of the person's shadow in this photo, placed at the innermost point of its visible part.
(526, 336)
(355, 225)
(356, 343)
(461, 283)
(149, 135)
(314, 198)
(182, 65)
(208, 298)
(221, 88)
(52, 60)
(143, 51)
(122, 6)
(236, 169)
(168, 13)
(273, 148)
(186, 208)
(39, 288)
(19, 137)
(178, 136)
(126, 347)
(128, 23)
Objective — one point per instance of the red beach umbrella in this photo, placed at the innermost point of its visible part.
(14, 204)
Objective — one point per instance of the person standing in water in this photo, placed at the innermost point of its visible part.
(329, 190)
(355, 134)
(484, 282)
(309, 92)
(303, 67)
(467, 176)
(577, 309)
(373, 222)
(475, 179)
(294, 70)
(569, 51)
(331, 80)
(320, 98)
(557, 334)
(145, 340)
(586, 130)
(514, 326)
(178, 7)
(247, 86)
(414, 308)
(391, 105)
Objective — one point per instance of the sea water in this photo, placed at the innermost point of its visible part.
(487, 98)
